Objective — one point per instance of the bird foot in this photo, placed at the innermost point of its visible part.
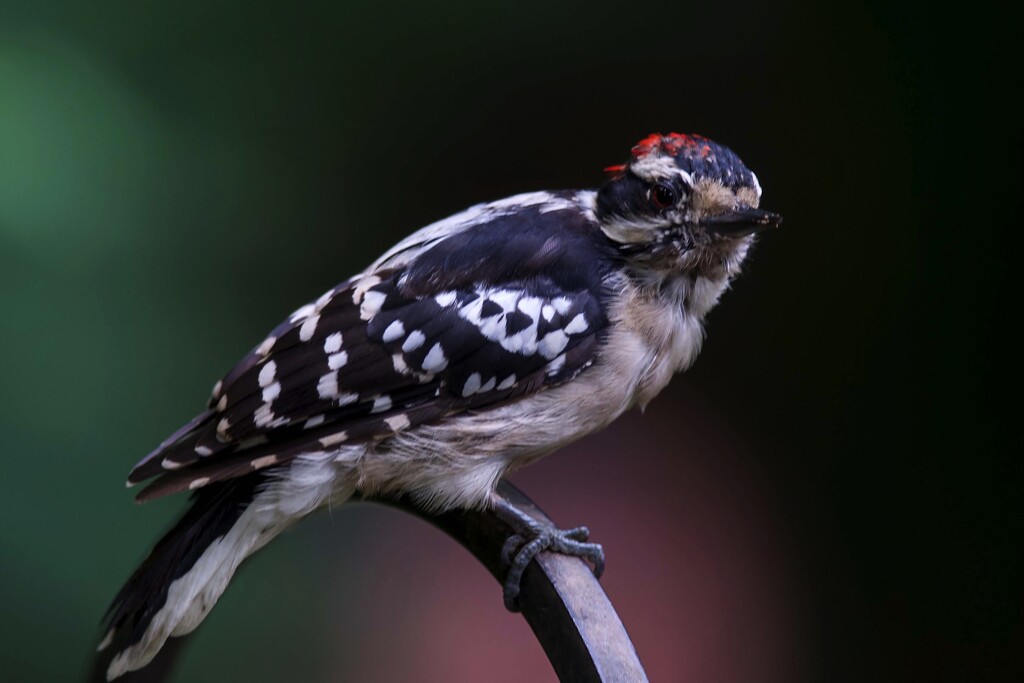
(530, 538)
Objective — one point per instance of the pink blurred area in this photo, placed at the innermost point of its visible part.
(700, 566)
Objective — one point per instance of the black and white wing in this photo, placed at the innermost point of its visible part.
(470, 318)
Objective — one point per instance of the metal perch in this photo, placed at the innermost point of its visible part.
(561, 600)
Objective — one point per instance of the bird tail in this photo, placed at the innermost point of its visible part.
(175, 587)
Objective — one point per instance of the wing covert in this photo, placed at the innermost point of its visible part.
(385, 352)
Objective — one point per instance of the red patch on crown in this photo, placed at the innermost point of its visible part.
(671, 144)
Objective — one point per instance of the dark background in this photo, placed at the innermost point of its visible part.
(832, 493)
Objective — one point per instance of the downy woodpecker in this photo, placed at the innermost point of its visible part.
(471, 348)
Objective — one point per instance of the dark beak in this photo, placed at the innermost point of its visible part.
(741, 222)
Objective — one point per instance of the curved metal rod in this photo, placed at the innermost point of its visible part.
(560, 599)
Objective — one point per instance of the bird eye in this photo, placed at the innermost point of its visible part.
(663, 195)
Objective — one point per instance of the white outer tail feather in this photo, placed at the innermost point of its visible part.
(300, 490)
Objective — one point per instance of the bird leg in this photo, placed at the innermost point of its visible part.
(530, 537)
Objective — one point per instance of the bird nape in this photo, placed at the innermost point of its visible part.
(472, 347)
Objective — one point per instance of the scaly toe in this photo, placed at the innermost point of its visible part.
(569, 542)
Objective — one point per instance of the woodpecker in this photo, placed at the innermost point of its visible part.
(471, 348)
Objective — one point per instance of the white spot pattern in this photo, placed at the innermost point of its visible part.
(435, 360)
(372, 301)
(302, 313)
(267, 373)
(555, 366)
(398, 422)
(398, 361)
(327, 387)
(472, 385)
(264, 415)
(395, 330)
(333, 343)
(552, 344)
(576, 325)
(324, 299)
(445, 299)
(309, 327)
(265, 348)
(531, 306)
(414, 341)
(265, 461)
(334, 439)
(362, 286)
(525, 341)
(271, 392)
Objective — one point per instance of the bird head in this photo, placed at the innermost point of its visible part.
(682, 203)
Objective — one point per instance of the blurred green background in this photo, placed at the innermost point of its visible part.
(832, 493)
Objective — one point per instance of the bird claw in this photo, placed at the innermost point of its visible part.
(537, 539)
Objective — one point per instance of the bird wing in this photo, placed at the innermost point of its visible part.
(492, 313)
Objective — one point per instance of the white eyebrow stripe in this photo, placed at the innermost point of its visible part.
(655, 167)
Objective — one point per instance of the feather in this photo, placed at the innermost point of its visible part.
(472, 320)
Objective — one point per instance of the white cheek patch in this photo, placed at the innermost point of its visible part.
(628, 231)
